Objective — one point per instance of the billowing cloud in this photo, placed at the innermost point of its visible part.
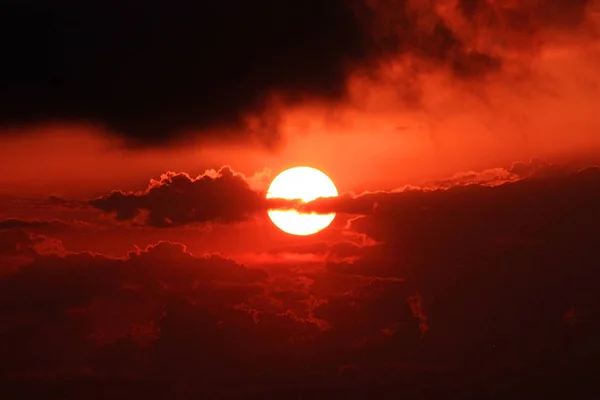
(225, 196)
(501, 265)
(152, 77)
(465, 287)
(162, 309)
(173, 67)
(180, 199)
(20, 242)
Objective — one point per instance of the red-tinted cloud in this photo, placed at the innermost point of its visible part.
(372, 202)
(300, 52)
(178, 199)
(498, 264)
(467, 286)
(158, 311)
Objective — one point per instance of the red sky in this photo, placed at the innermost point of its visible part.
(136, 254)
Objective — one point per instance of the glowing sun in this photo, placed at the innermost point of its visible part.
(306, 184)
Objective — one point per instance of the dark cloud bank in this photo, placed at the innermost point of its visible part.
(477, 291)
(150, 71)
(180, 199)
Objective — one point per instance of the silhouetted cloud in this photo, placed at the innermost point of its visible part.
(13, 223)
(466, 290)
(179, 199)
(162, 309)
(499, 265)
(172, 67)
(372, 202)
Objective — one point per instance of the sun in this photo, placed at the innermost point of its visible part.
(306, 184)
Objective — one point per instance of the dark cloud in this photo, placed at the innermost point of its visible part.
(19, 247)
(178, 199)
(73, 280)
(147, 71)
(20, 242)
(484, 290)
(528, 16)
(407, 27)
(92, 298)
(13, 223)
(498, 270)
(150, 73)
(374, 202)
(39, 225)
(14, 204)
(164, 313)
(224, 196)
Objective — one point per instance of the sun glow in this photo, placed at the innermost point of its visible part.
(306, 184)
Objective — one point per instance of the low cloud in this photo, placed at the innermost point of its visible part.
(477, 280)
(14, 223)
(177, 199)
(499, 264)
(225, 196)
(160, 308)
(372, 202)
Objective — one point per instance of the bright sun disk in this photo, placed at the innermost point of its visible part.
(306, 184)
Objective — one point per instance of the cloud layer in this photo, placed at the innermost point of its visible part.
(223, 71)
(469, 290)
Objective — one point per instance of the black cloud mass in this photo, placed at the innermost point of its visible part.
(147, 69)
(152, 72)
